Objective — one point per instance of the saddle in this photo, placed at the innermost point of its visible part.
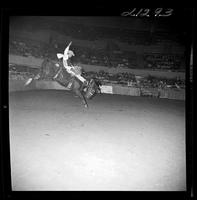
(63, 77)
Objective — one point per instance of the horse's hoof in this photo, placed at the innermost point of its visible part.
(86, 106)
(28, 81)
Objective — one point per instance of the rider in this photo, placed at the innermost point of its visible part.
(75, 71)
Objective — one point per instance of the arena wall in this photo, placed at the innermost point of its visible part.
(173, 94)
(47, 85)
(19, 85)
(123, 90)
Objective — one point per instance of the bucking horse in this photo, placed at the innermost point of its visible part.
(57, 71)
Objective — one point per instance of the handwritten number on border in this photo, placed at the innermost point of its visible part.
(129, 13)
(158, 12)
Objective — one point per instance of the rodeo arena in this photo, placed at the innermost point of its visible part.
(96, 105)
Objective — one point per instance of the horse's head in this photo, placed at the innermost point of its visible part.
(92, 89)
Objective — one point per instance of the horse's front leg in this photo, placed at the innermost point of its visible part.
(79, 93)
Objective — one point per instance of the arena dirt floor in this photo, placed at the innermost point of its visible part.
(118, 143)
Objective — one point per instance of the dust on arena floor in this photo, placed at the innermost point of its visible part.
(118, 143)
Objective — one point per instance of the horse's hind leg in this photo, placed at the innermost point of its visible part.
(78, 93)
(28, 81)
(36, 77)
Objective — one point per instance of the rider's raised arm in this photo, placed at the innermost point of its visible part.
(65, 63)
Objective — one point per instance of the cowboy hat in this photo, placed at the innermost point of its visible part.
(66, 54)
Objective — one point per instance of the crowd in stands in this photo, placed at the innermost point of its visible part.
(164, 62)
(22, 48)
(129, 79)
(86, 55)
(104, 58)
(19, 75)
(114, 58)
